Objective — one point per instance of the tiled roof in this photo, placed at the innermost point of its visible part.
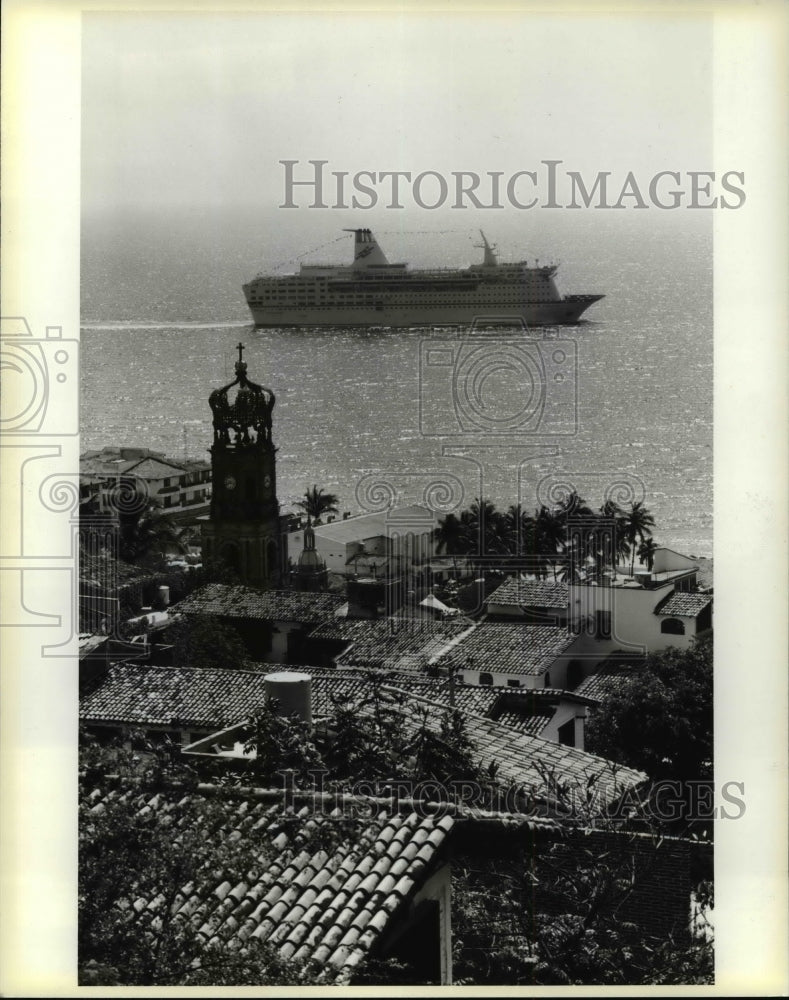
(342, 629)
(527, 759)
(410, 643)
(516, 648)
(174, 696)
(684, 605)
(532, 723)
(206, 698)
(531, 593)
(270, 605)
(105, 571)
(136, 694)
(610, 676)
(400, 643)
(530, 710)
(315, 905)
(349, 629)
(89, 643)
(155, 468)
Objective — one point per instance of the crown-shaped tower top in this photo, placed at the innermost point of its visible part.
(246, 421)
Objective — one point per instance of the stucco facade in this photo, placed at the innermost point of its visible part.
(402, 531)
(646, 612)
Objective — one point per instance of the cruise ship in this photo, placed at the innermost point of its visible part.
(373, 292)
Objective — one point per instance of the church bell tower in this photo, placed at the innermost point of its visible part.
(243, 534)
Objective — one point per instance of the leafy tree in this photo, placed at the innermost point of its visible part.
(446, 755)
(282, 744)
(145, 534)
(206, 641)
(363, 745)
(559, 922)
(317, 502)
(365, 738)
(660, 720)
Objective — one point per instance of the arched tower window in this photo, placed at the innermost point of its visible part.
(230, 554)
(272, 567)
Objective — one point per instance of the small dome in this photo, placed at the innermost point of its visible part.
(311, 572)
(310, 559)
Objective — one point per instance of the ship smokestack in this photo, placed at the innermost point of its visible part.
(366, 252)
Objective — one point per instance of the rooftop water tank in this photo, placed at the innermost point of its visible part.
(162, 599)
(292, 693)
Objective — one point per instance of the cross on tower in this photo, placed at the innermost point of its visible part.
(240, 349)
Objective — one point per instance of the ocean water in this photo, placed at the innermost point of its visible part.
(358, 414)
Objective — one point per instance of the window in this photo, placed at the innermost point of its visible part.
(603, 624)
(672, 626)
(485, 678)
(575, 674)
(567, 733)
(513, 683)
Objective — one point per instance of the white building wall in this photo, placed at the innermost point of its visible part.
(586, 651)
(336, 553)
(635, 626)
(565, 712)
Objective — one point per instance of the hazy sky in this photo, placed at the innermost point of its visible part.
(197, 109)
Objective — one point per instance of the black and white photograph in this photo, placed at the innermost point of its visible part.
(394, 499)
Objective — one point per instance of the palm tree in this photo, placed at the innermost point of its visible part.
(451, 536)
(550, 537)
(148, 535)
(646, 553)
(491, 527)
(518, 530)
(316, 502)
(612, 510)
(638, 524)
(572, 506)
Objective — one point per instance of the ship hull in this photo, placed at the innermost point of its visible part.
(562, 312)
